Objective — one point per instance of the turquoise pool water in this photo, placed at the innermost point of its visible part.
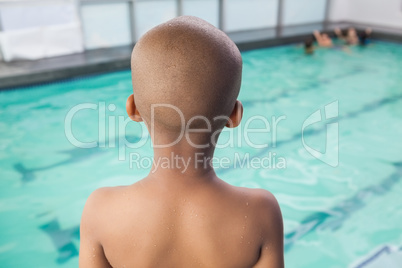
(343, 213)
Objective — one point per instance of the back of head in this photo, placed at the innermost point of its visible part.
(308, 43)
(344, 32)
(363, 38)
(308, 46)
(188, 68)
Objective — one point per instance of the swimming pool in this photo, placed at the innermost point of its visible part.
(341, 212)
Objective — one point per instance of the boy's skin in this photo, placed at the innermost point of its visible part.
(178, 217)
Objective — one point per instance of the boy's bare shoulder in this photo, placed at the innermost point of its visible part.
(265, 207)
(264, 198)
(260, 198)
(103, 196)
(101, 203)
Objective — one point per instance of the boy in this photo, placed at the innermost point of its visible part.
(183, 216)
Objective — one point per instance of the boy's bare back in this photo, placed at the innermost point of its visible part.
(158, 223)
(178, 217)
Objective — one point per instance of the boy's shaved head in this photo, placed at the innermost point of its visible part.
(189, 64)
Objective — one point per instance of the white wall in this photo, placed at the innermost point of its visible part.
(377, 12)
(339, 10)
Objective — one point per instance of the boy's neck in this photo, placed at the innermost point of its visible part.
(188, 159)
(183, 160)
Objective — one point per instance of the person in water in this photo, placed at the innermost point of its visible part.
(309, 46)
(364, 37)
(352, 37)
(323, 40)
(186, 78)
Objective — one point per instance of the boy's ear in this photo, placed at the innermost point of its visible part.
(236, 115)
(132, 109)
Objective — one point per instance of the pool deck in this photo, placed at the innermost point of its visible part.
(25, 72)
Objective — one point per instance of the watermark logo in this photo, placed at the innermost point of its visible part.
(330, 156)
(257, 132)
(174, 161)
